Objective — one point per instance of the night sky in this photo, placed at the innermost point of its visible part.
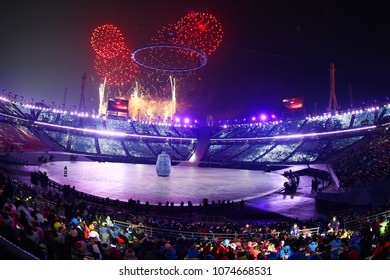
(271, 50)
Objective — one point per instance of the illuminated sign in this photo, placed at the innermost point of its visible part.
(118, 105)
(293, 103)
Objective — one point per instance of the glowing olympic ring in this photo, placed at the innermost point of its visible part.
(202, 56)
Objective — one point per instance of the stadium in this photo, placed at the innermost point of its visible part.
(336, 159)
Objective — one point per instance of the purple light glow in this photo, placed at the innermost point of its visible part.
(110, 133)
(295, 136)
(186, 120)
(263, 117)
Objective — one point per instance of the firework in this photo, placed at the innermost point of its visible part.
(118, 71)
(145, 107)
(101, 96)
(177, 52)
(173, 87)
(200, 31)
(167, 35)
(107, 41)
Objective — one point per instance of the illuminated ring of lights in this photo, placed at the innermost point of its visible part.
(201, 54)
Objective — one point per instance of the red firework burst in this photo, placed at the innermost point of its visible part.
(201, 31)
(107, 41)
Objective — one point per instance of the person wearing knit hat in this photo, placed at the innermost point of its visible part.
(57, 226)
(285, 252)
(310, 249)
(94, 234)
(92, 226)
(74, 221)
(313, 246)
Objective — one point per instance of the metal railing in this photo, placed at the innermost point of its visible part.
(358, 224)
(217, 220)
(153, 231)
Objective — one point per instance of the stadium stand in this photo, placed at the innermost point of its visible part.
(46, 220)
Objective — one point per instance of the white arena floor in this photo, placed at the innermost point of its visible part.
(139, 181)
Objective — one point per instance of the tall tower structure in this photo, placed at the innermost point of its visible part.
(82, 96)
(332, 94)
(64, 101)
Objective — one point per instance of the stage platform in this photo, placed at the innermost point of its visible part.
(124, 181)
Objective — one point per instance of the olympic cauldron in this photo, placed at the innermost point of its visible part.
(163, 165)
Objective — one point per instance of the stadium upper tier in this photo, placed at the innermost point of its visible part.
(308, 140)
